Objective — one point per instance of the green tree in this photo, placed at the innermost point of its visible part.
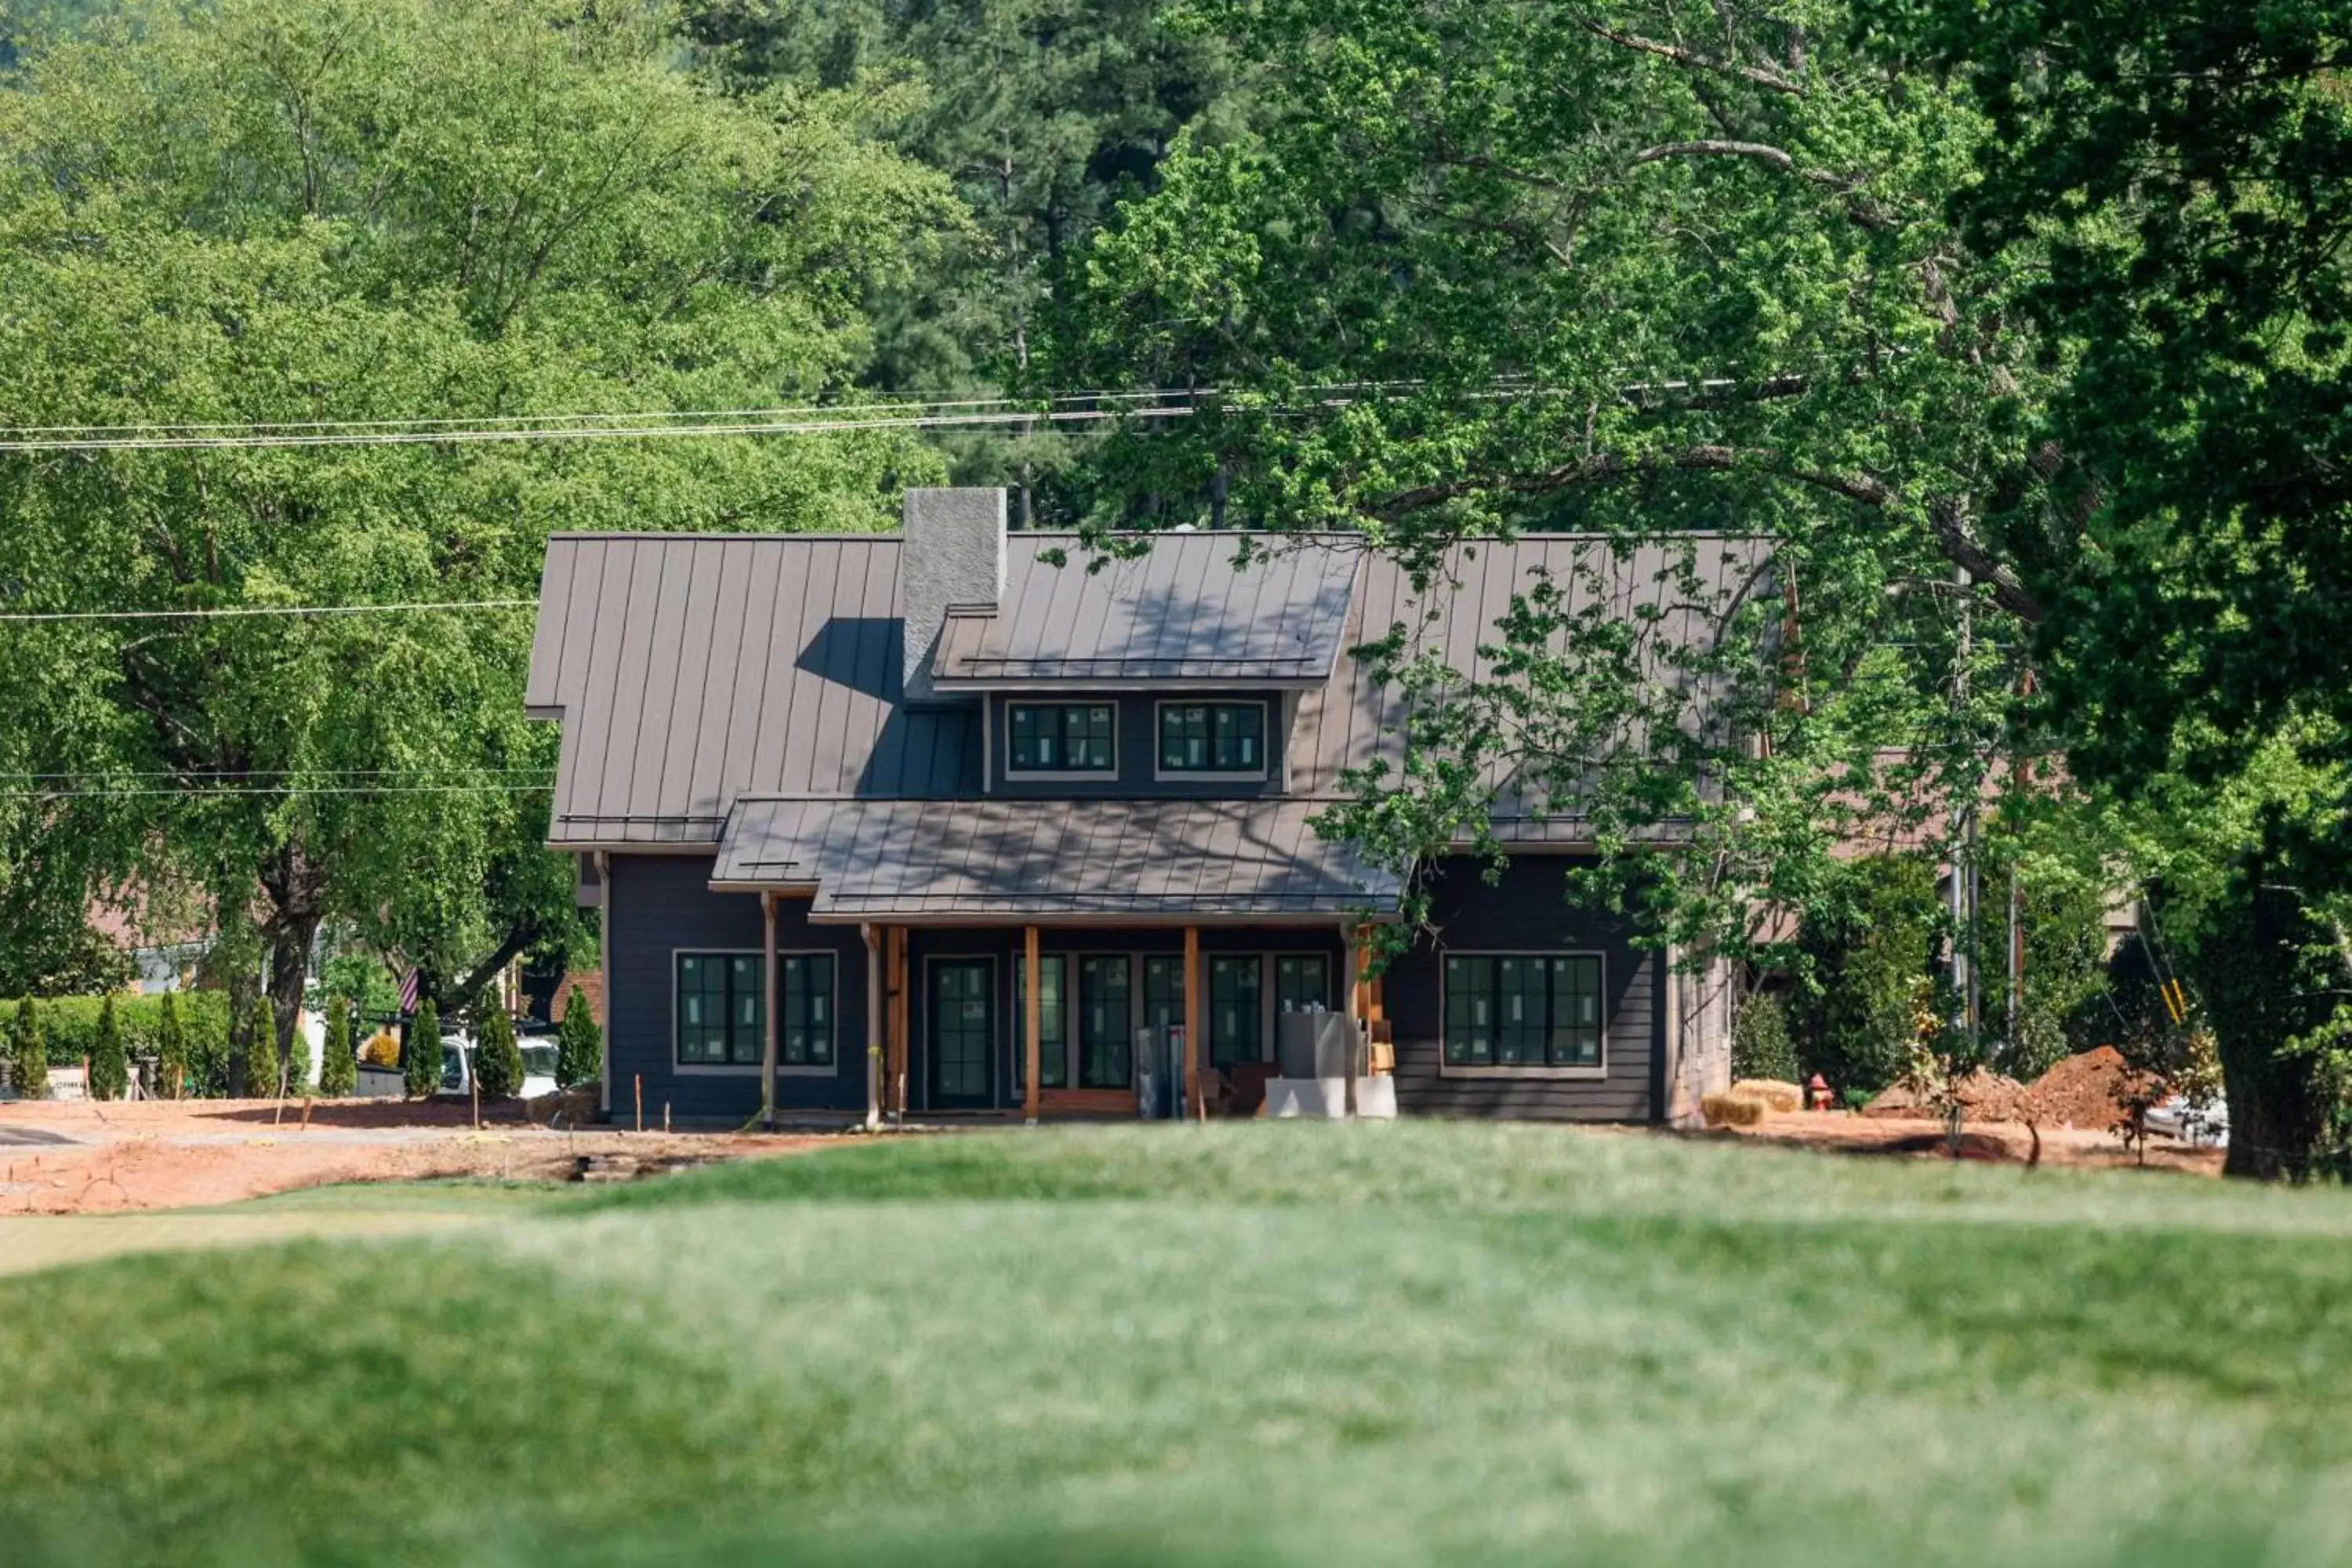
(171, 1051)
(297, 1069)
(28, 1052)
(580, 1044)
(110, 1065)
(1045, 114)
(339, 1071)
(262, 1061)
(1870, 947)
(2178, 172)
(497, 1060)
(274, 210)
(420, 1052)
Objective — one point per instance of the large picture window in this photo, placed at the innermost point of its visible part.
(1302, 982)
(1061, 738)
(722, 1010)
(1053, 1023)
(1213, 737)
(1517, 1010)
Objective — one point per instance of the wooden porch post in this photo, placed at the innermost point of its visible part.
(1193, 1023)
(876, 1033)
(1032, 1013)
(768, 1045)
(901, 1015)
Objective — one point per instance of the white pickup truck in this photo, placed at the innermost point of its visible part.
(538, 1065)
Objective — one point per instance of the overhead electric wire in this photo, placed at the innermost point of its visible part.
(227, 611)
(232, 792)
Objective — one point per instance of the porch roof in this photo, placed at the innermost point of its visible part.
(998, 858)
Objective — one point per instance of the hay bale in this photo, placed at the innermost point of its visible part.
(1776, 1095)
(1730, 1111)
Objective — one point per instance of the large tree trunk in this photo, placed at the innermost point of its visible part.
(2267, 978)
(297, 887)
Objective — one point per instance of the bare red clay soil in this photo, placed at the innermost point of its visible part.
(159, 1155)
(2007, 1142)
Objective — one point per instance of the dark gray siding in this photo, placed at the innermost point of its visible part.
(1139, 749)
(1528, 911)
(659, 904)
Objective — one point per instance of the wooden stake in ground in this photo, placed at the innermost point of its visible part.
(637, 1087)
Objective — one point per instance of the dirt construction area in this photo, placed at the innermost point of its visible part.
(68, 1157)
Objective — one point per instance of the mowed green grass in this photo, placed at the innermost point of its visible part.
(1242, 1343)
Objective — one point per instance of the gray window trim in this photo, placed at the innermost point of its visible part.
(751, 1070)
(1213, 775)
(1446, 1070)
(1059, 775)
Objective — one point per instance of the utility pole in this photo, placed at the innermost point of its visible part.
(1964, 822)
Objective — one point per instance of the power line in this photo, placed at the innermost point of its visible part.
(274, 790)
(229, 611)
(239, 775)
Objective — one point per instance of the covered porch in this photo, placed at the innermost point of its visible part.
(1101, 959)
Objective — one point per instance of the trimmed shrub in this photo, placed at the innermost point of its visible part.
(339, 1073)
(69, 1025)
(382, 1050)
(422, 1066)
(109, 1068)
(171, 1051)
(261, 1050)
(28, 1056)
(1870, 946)
(298, 1060)
(1760, 1046)
(497, 1060)
(580, 1044)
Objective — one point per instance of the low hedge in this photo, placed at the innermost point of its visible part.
(70, 1025)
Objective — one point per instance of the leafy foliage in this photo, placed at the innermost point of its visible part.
(580, 1044)
(1761, 1044)
(497, 1061)
(28, 1052)
(421, 1052)
(264, 1067)
(171, 1051)
(277, 210)
(1870, 944)
(339, 1070)
(109, 1068)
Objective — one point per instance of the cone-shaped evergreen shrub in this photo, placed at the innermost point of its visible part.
(497, 1060)
(298, 1060)
(110, 1066)
(580, 1044)
(171, 1051)
(422, 1068)
(261, 1050)
(29, 1053)
(339, 1073)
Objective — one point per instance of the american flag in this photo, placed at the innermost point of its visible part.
(408, 993)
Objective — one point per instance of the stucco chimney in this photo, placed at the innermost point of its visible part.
(953, 555)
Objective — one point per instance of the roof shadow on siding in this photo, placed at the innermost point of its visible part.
(860, 652)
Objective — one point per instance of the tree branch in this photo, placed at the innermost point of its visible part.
(1691, 59)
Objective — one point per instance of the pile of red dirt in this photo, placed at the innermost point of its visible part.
(2085, 1090)
(1988, 1097)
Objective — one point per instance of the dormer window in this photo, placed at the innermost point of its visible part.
(1222, 739)
(1062, 738)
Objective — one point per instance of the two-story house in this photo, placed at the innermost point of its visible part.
(934, 822)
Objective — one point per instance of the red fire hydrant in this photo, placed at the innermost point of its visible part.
(1817, 1093)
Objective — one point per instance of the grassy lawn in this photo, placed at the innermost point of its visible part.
(1251, 1343)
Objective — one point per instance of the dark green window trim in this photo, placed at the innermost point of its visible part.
(1520, 1012)
(1212, 737)
(1061, 738)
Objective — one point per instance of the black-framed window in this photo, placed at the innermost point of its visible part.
(804, 1011)
(1302, 982)
(722, 999)
(722, 1009)
(1523, 1010)
(1213, 737)
(1061, 738)
(1163, 991)
(1236, 1026)
(1053, 1023)
(1105, 1044)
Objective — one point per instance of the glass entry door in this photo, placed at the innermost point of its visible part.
(963, 1031)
